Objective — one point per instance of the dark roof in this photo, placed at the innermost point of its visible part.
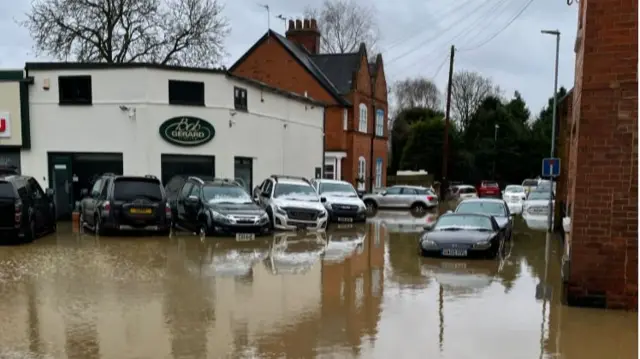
(339, 68)
(221, 71)
(304, 58)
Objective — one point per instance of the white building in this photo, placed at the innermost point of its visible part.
(87, 119)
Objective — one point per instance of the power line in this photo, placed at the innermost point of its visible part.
(496, 14)
(441, 66)
(434, 37)
(502, 29)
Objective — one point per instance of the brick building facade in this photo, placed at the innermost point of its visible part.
(602, 179)
(354, 90)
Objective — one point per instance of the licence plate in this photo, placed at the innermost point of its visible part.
(454, 252)
(449, 265)
(140, 211)
(345, 226)
(345, 219)
(241, 237)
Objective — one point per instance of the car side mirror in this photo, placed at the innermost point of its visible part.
(323, 199)
(449, 211)
(193, 200)
(50, 192)
(383, 193)
(84, 193)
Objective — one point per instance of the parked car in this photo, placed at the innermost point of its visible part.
(125, 203)
(497, 208)
(514, 195)
(529, 185)
(26, 211)
(416, 198)
(291, 203)
(463, 235)
(537, 204)
(465, 192)
(341, 200)
(219, 207)
(489, 189)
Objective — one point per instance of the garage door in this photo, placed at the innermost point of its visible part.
(189, 165)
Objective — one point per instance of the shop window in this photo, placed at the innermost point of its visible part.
(187, 93)
(240, 98)
(74, 90)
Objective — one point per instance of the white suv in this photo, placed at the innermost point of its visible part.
(341, 200)
(291, 203)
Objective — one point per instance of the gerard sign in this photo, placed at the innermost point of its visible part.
(187, 131)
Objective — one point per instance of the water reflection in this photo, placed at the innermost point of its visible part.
(356, 291)
(404, 222)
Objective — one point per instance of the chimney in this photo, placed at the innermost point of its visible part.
(305, 33)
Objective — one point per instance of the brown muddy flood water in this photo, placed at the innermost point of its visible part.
(359, 292)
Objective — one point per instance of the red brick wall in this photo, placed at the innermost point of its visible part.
(604, 159)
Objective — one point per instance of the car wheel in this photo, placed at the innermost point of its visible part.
(418, 208)
(371, 205)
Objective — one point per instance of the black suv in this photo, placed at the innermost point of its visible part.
(26, 211)
(219, 206)
(125, 203)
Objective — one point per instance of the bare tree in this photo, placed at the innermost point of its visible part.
(468, 90)
(344, 24)
(417, 92)
(176, 32)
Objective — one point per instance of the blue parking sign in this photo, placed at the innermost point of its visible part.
(551, 167)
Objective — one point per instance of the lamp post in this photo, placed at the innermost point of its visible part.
(555, 33)
(495, 142)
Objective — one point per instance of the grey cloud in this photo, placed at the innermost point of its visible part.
(520, 58)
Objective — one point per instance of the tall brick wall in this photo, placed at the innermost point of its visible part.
(604, 158)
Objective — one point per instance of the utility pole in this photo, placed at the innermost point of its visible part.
(445, 143)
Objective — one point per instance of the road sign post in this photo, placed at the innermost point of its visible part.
(551, 169)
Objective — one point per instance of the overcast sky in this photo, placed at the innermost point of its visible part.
(416, 37)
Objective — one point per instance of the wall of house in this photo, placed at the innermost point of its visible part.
(11, 134)
(603, 159)
(272, 132)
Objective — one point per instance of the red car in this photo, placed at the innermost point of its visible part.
(489, 189)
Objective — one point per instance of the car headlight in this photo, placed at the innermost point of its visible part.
(279, 210)
(362, 207)
(219, 217)
(264, 217)
(427, 243)
(322, 214)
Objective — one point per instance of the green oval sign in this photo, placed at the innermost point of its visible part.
(187, 131)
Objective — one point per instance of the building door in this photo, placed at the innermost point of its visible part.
(188, 165)
(243, 172)
(60, 179)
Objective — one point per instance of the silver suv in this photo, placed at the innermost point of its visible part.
(414, 197)
(291, 203)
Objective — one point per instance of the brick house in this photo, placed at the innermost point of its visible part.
(353, 89)
(601, 133)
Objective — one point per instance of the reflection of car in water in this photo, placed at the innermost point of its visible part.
(293, 253)
(344, 243)
(229, 258)
(404, 222)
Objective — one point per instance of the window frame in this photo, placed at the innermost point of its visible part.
(240, 103)
(74, 100)
(363, 123)
(362, 170)
(380, 123)
(378, 180)
(345, 119)
(171, 86)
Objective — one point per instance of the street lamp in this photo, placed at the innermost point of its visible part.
(495, 141)
(555, 33)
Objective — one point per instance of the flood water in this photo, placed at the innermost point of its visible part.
(355, 292)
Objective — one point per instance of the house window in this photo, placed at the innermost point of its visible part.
(363, 118)
(345, 119)
(75, 90)
(188, 93)
(329, 171)
(240, 98)
(379, 173)
(362, 168)
(380, 123)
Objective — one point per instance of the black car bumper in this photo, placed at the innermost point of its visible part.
(233, 229)
(158, 226)
(10, 234)
(345, 216)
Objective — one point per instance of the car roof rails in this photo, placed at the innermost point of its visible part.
(277, 177)
(109, 174)
(197, 179)
(150, 176)
(226, 181)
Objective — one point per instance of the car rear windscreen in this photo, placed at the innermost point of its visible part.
(129, 189)
(530, 183)
(489, 184)
(6, 190)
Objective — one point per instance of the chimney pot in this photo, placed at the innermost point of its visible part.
(291, 25)
(306, 24)
(313, 24)
(298, 24)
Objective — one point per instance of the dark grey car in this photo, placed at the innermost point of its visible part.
(497, 208)
(463, 235)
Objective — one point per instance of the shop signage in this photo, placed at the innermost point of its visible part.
(187, 131)
(5, 125)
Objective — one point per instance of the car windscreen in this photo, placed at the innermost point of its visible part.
(131, 188)
(538, 195)
(491, 208)
(6, 190)
(489, 184)
(293, 190)
(344, 189)
(514, 189)
(530, 183)
(463, 221)
(226, 194)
